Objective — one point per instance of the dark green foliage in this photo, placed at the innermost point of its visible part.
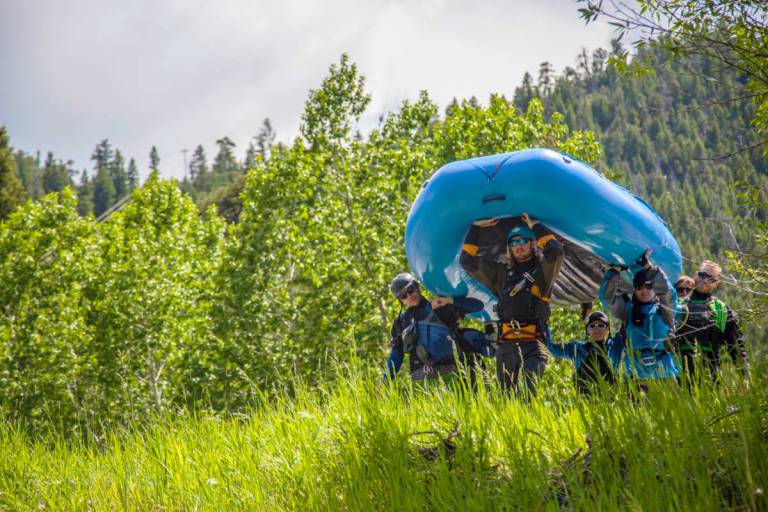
(11, 191)
(132, 175)
(119, 175)
(103, 191)
(225, 167)
(85, 191)
(154, 159)
(56, 175)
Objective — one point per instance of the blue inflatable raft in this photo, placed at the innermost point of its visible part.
(598, 222)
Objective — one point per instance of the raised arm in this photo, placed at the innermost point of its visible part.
(552, 255)
(666, 294)
(467, 304)
(612, 291)
(616, 347)
(489, 273)
(567, 350)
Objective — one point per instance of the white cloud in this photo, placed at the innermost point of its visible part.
(178, 73)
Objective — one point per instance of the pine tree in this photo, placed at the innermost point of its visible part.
(154, 159)
(85, 195)
(103, 155)
(198, 169)
(118, 174)
(103, 192)
(11, 190)
(525, 93)
(265, 139)
(225, 165)
(251, 157)
(546, 78)
(133, 175)
(55, 175)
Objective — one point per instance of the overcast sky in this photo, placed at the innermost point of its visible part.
(177, 73)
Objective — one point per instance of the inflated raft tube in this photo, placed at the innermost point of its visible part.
(598, 222)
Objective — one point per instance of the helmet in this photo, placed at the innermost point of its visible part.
(641, 278)
(401, 282)
(522, 232)
(597, 315)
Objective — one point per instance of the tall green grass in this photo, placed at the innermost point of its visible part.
(362, 446)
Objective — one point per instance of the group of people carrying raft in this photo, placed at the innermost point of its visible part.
(663, 327)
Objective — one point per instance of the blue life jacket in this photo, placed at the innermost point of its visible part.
(646, 356)
(434, 336)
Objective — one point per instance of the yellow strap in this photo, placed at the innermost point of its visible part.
(536, 292)
(470, 249)
(543, 240)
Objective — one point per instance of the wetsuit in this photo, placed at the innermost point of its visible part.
(595, 361)
(523, 291)
(711, 325)
(428, 335)
(647, 324)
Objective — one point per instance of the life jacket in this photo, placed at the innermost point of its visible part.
(428, 338)
(711, 311)
(594, 366)
(522, 309)
(653, 331)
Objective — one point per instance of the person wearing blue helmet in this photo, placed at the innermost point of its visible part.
(522, 279)
(649, 315)
(428, 331)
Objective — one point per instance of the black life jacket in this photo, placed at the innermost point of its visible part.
(595, 367)
(521, 297)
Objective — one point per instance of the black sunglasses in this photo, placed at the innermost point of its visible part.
(404, 295)
(598, 325)
(683, 289)
(706, 277)
(646, 286)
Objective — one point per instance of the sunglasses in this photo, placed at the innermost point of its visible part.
(598, 325)
(404, 295)
(706, 277)
(644, 286)
(683, 289)
(514, 242)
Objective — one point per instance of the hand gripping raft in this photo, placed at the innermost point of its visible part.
(598, 222)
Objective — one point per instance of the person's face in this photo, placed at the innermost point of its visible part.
(521, 248)
(597, 330)
(644, 292)
(707, 279)
(410, 296)
(683, 289)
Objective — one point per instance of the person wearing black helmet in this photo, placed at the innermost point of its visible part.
(597, 359)
(426, 330)
(648, 316)
(523, 284)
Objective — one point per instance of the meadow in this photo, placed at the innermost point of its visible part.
(361, 445)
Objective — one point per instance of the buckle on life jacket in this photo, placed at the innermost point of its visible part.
(648, 356)
(515, 331)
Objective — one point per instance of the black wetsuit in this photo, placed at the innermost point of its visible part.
(711, 325)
